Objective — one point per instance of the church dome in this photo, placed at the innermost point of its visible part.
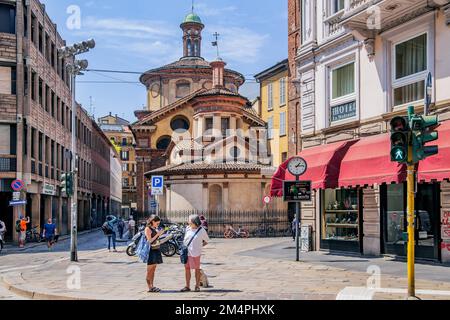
(192, 17)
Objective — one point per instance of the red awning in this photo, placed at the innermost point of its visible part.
(437, 167)
(323, 167)
(368, 162)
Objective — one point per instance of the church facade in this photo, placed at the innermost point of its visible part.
(201, 135)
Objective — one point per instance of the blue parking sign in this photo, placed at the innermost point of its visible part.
(157, 185)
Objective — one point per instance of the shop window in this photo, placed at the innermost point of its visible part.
(410, 63)
(396, 223)
(7, 19)
(341, 215)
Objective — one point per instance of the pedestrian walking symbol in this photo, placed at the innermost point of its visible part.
(399, 155)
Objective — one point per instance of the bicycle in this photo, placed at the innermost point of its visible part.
(33, 235)
(264, 231)
(231, 233)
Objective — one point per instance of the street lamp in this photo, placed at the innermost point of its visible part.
(75, 68)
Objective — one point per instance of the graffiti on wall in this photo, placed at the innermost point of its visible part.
(446, 231)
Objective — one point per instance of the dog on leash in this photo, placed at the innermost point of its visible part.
(204, 279)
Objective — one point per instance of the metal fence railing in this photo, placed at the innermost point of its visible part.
(261, 223)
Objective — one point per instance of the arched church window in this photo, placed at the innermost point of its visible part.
(189, 47)
(180, 123)
(183, 89)
(196, 48)
(163, 143)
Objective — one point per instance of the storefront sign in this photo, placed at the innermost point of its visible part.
(49, 190)
(343, 111)
(297, 191)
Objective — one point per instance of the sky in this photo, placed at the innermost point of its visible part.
(146, 35)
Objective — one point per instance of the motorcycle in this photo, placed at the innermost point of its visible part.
(172, 246)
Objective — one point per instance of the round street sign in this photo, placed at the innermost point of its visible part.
(17, 185)
(267, 199)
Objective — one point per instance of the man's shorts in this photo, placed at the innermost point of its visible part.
(22, 235)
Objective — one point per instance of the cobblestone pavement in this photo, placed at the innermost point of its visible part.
(233, 274)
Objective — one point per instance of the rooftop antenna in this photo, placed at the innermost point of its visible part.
(192, 6)
(216, 43)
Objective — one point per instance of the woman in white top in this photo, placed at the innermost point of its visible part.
(199, 239)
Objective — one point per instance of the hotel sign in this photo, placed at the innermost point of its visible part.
(343, 111)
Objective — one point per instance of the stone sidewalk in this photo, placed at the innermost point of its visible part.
(232, 276)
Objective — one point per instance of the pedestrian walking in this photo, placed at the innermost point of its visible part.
(109, 230)
(49, 233)
(131, 227)
(152, 234)
(293, 226)
(195, 239)
(21, 228)
(120, 227)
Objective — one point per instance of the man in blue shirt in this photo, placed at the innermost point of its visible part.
(49, 233)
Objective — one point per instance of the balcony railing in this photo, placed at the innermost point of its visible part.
(8, 164)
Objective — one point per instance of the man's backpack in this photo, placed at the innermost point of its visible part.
(18, 226)
(106, 228)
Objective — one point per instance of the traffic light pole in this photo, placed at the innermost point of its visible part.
(73, 199)
(411, 238)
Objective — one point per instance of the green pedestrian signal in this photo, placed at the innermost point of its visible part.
(400, 134)
(422, 133)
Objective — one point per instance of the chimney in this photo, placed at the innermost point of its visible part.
(218, 67)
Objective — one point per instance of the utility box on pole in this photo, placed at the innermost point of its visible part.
(305, 238)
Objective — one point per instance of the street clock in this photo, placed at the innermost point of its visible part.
(297, 166)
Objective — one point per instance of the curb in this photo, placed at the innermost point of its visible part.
(13, 249)
(17, 285)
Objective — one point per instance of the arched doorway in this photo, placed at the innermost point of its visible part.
(215, 198)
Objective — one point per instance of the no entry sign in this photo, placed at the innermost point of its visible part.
(17, 185)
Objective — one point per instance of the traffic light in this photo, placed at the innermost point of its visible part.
(422, 133)
(400, 133)
(67, 184)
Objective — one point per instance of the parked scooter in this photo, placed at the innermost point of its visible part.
(132, 246)
(172, 246)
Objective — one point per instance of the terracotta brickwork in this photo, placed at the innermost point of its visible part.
(294, 95)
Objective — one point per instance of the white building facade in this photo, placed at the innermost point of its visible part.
(360, 63)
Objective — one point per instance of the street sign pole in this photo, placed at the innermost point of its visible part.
(297, 233)
(410, 218)
(73, 198)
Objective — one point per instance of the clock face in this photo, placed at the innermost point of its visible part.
(297, 166)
